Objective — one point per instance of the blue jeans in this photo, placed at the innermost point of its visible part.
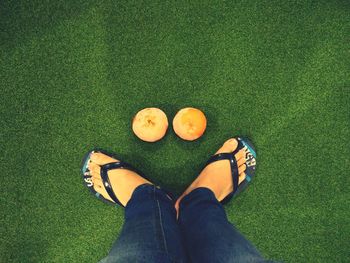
(151, 232)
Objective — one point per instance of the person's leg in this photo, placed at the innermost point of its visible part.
(150, 232)
(208, 235)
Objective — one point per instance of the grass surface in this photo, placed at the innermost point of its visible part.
(73, 73)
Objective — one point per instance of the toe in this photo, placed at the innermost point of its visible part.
(228, 146)
(241, 161)
(101, 159)
(241, 153)
(242, 168)
(99, 188)
(94, 170)
(241, 177)
(97, 184)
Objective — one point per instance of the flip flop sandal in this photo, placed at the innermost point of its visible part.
(105, 177)
(250, 163)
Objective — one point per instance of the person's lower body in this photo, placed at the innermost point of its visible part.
(208, 235)
(151, 232)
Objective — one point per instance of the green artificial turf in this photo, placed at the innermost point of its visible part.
(73, 73)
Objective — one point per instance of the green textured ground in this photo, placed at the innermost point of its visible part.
(72, 74)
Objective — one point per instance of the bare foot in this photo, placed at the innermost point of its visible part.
(123, 181)
(217, 176)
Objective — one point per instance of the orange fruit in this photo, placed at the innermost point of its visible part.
(189, 123)
(150, 124)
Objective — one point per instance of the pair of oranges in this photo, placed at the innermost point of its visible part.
(151, 124)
